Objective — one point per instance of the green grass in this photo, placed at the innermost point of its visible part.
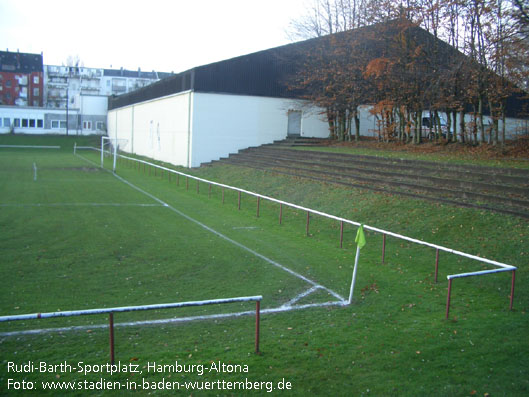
(393, 340)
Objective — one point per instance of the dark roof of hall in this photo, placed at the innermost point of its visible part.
(267, 73)
(261, 73)
(20, 62)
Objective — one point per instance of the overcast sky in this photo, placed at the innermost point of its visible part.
(165, 35)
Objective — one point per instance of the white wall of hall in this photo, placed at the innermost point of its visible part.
(224, 124)
(93, 104)
(158, 129)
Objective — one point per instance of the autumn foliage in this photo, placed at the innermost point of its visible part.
(402, 68)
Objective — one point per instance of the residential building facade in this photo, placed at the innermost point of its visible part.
(21, 79)
(37, 98)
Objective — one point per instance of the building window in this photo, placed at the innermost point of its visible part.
(36, 91)
(63, 124)
(7, 122)
(55, 124)
(32, 123)
(100, 126)
(16, 122)
(35, 79)
(25, 122)
(8, 83)
(87, 125)
(40, 123)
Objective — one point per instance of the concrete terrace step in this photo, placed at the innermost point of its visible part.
(497, 189)
(298, 141)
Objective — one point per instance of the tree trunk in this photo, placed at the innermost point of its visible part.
(454, 136)
(418, 127)
(357, 125)
(462, 126)
(502, 125)
(480, 118)
(332, 124)
(448, 126)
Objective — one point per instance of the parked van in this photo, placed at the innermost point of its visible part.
(429, 130)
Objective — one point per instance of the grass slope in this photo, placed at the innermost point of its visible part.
(393, 340)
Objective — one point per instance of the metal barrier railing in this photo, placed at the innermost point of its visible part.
(122, 309)
(309, 211)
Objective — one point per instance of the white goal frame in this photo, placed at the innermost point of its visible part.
(114, 150)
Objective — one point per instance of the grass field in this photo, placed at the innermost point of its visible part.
(73, 236)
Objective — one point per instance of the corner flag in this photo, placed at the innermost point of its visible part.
(360, 239)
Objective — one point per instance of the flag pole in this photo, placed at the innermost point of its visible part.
(360, 241)
(354, 275)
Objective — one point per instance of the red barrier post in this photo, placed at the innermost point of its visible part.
(308, 221)
(209, 191)
(257, 321)
(436, 263)
(383, 248)
(512, 288)
(111, 335)
(223, 195)
(239, 201)
(258, 202)
(280, 213)
(341, 234)
(448, 298)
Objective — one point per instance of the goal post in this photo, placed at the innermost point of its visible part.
(109, 148)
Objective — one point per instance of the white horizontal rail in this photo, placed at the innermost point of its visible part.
(88, 147)
(29, 147)
(480, 273)
(71, 313)
(323, 214)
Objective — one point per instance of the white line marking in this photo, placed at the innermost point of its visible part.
(35, 172)
(251, 251)
(284, 308)
(170, 320)
(245, 227)
(29, 147)
(255, 253)
(82, 205)
(300, 296)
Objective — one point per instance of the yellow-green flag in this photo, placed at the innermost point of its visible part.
(360, 239)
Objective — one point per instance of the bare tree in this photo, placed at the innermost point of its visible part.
(74, 60)
(324, 17)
